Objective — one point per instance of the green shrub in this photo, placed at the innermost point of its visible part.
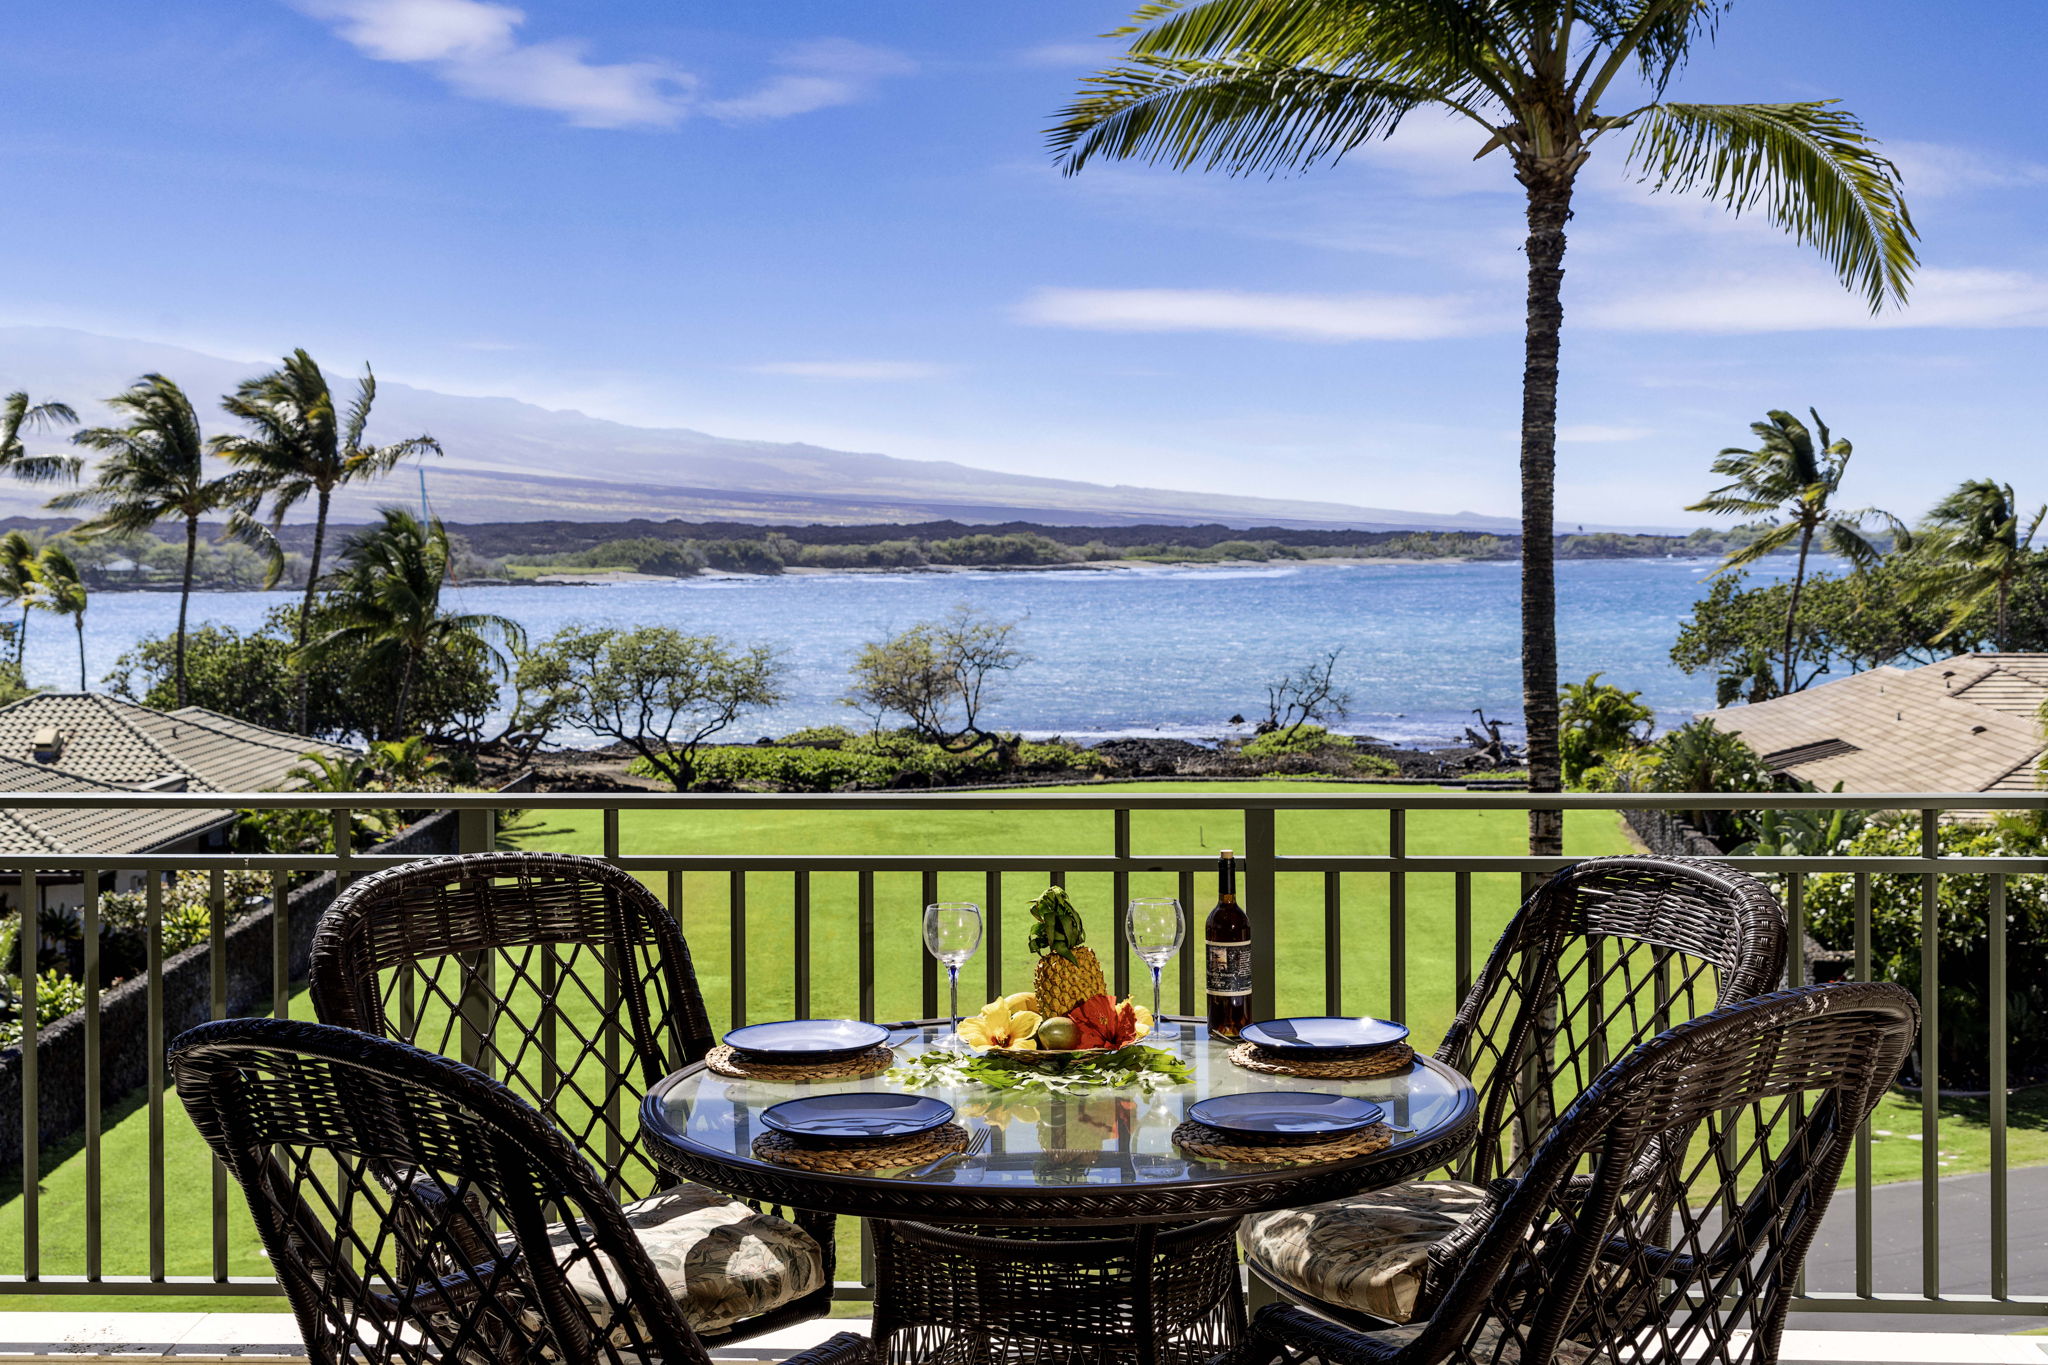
(887, 759)
(56, 996)
(821, 736)
(1962, 904)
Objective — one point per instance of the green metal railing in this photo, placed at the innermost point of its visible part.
(1328, 924)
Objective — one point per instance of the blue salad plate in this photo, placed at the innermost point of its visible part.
(1325, 1036)
(1286, 1115)
(857, 1116)
(792, 1041)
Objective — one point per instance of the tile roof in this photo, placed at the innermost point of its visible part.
(89, 829)
(1970, 723)
(108, 740)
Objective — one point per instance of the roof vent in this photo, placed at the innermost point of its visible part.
(1808, 753)
(1978, 729)
(47, 743)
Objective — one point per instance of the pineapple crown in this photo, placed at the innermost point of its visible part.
(1056, 925)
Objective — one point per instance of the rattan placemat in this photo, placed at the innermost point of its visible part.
(727, 1062)
(1199, 1139)
(1386, 1062)
(868, 1156)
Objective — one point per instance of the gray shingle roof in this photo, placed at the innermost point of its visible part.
(1970, 723)
(95, 829)
(113, 741)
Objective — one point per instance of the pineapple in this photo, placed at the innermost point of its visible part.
(1067, 972)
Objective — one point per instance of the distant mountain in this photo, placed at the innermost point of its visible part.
(506, 460)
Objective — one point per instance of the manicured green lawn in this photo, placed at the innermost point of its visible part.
(706, 915)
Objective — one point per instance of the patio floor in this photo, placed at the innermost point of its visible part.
(243, 1338)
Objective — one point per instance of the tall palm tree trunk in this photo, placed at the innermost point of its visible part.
(398, 708)
(1550, 205)
(185, 596)
(302, 686)
(2002, 637)
(1792, 606)
(21, 636)
(78, 621)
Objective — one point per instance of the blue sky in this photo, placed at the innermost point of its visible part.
(834, 222)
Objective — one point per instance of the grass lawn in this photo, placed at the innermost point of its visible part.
(706, 915)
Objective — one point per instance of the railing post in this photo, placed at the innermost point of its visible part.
(1930, 1059)
(31, 1086)
(1258, 898)
(476, 831)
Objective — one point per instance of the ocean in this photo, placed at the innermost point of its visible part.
(1130, 651)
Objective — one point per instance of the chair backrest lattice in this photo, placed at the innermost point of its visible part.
(1763, 1100)
(1602, 957)
(417, 1211)
(560, 976)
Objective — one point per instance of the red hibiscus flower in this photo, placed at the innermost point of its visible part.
(1104, 1023)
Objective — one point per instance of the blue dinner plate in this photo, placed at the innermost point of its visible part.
(1326, 1036)
(807, 1040)
(1283, 1115)
(860, 1115)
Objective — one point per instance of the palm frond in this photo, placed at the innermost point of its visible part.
(1241, 118)
(1808, 165)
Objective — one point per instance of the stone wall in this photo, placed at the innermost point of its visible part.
(1669, 836)
(187, 1000)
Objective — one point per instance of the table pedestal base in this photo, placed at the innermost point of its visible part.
(1023, 1296)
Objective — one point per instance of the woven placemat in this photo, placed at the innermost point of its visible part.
(784, 1150)
(727, 1062)
(1386, 1062)
(1199, 1139)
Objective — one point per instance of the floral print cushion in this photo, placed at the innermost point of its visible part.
(1490, 1345)
(1369, 1252)
(722, 1261)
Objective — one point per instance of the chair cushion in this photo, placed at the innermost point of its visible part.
(1368, 1252)
(1495, 1347)
(722, 1261)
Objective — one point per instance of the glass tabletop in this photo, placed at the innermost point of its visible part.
(1038, 1139)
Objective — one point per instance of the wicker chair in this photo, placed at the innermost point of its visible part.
(1605, 955)
(1585, 1261)
(567, 980)
(417, 1211)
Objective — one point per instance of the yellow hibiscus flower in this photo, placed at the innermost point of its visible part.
(998, 1025)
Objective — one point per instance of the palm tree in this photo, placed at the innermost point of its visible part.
(1788, 473)
(1266, 86)
(61, 590)
(18, 581)
(298, 447)
(18, 416)
(1969, 550)
(387, 603)
(155, 469)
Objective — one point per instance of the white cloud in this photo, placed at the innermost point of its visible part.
(1309, 317)
(1937, 168)
(1083, 58)
(870, 370)
(474, 46)
(816, 75)
(1596, 433)
(1814, 302)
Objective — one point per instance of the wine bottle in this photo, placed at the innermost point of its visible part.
(1228, 937)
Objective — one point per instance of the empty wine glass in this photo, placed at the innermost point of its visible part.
(952, 931)
(1155, 926)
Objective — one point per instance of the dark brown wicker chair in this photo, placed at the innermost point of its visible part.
(1603, 956)
(560, 976)
(418, 1212)
(1584, 1259)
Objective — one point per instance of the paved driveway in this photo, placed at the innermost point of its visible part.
(1965, 1251)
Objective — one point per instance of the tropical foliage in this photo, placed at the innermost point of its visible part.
(937, 675)
(299, 445)
(1265, 87)
(386, 611)
(58, 589)
(1969, 553)
(18, 418)
(1795, 473)
(1599, 721)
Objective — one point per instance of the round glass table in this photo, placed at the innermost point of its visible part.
(1080, 1228)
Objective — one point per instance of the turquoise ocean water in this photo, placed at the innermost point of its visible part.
(1163, 651)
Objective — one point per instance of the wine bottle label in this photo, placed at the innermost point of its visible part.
(1230, 968)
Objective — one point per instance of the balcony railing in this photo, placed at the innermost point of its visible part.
(1363, 900)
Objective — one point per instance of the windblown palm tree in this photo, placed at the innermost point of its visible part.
(61, 591)
(298, 446)
(19, 416)
(18, 581)
(154, 469)
(1968, 551)
(387, 603)
(1788, 474)
(1266, 86)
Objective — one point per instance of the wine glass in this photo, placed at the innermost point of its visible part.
(952, 932)
(1155, 926)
